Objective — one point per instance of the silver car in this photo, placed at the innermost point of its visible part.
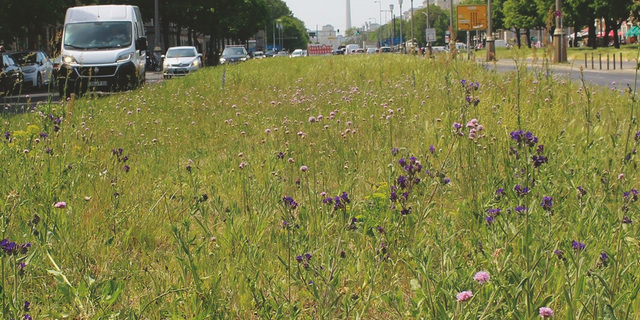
(180, 61)
(36, 66)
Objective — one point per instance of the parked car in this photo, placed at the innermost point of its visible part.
(233, 54)
(372, 50)
(258, 55)
(36, 67)
(296, 53)
(385, 50)
(180, 61)
(281, 54)
(269, 54)
(11, 76)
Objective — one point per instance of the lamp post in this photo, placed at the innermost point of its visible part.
(393, 24)
(413, 44)
(402, 48)
(491, 45)
(560, 53)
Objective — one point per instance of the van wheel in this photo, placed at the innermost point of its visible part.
(39, 82)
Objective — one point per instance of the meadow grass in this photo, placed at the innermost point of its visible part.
(355, 187)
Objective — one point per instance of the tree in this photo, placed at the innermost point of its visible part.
(614, 12)
(518, 15)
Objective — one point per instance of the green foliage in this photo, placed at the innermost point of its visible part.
(325, 187)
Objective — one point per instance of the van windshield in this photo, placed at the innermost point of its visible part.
(97, 35)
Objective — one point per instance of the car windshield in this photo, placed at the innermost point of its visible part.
(233, 51)
(181, 53)
(97, 35)
(24, 58)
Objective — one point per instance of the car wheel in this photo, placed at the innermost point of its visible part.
(39, 82)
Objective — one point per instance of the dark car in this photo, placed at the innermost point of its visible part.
(270, 54)
(233, 54)
(11, 77)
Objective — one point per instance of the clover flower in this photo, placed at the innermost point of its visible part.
(464, 296)
(481, 277)
(546, 312)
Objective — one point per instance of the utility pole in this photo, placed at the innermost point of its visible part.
(491, 44)
(393, 24)
(560, 51)
(156, 29)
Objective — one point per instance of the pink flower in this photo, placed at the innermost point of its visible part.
(481, 277)
(304, 168)
(60, 205)
(546, 312)
(464, 296)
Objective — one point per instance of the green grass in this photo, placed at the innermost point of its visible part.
(189, 220)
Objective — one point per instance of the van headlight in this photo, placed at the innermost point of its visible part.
(223, 60)
(195, 63)
(69, 60)
(124, 57)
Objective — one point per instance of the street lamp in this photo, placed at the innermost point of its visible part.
(393, 24)
(402, 48)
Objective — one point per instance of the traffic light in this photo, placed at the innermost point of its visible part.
(357, 32)
(338, 31)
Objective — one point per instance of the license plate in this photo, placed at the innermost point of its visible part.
(97, 83)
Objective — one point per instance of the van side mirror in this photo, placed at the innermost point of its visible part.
(141, 43)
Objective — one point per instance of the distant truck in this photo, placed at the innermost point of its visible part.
(352, 48)
(103, 49)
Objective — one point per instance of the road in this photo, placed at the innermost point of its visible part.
(30, 98)
(608, 78)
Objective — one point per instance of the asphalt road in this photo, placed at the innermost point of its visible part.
(619, 78)
(30, 98)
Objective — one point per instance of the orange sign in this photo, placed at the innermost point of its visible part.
(472, 17)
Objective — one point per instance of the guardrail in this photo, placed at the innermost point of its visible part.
(593, 65)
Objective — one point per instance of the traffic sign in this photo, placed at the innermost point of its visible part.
(472, 17)
(431, 34)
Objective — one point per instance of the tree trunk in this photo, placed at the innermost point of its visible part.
(528, 35)
(518, 42)
(592, 37)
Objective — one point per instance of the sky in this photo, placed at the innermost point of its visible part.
(334, 12)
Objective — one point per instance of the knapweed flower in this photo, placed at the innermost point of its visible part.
(290, 202)
(60, 205)
(481, 277)
(547, 203)
(546, 312)
(464, 296)
(577, 245)
(521, 191)
(304, 168)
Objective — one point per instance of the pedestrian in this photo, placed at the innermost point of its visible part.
(2, 50)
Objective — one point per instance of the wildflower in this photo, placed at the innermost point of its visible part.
(559, 253)
(285, 224)
(547, 203)
(402, 182)
(546, 312)
(26, 306)
(581, 191)
(402, 162)
(289, 201)
(311, 282)
(432, 149)
(621, 176)
(380, 229)
(126, 168)
(394, 151)
(577, 245)
(520, 209)
(489, 220)
(345, 197)
(446, 181)
(328, 200)
(291, 160)
(494, 212)
(520, 191)
(280, 155)
(307, 256)
(393, 196)
(299, 258)
(626, 220)
(538, 160)
(7, 135)
(27, 317)
(464, 296)
(604, 257)
(405, 211)
(481, 277)
(499, 192)
(304, 168)
(60, 205)
(457, 126)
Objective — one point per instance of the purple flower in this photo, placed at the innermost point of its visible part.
(307, 256)
(299, 258)
(547, 203)
(581, 191)
(402, 162)
(280, 155)
(520, 209)
(290, 202)
(500, 192)
(577, 245)
(520, 191)
(402, 182)
(405, 211)
(494, 212)
(126, 168)
(604, 257)
(446, 181)
(393, 196)
(345, 197)
(538, 160)
(559, 253)
(489, 220)
(394, 151)
(626, 220)
(7, 135)
(457, 126)
(432, 149)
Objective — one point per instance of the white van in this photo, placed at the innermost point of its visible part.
(351, 48)
(103, 49)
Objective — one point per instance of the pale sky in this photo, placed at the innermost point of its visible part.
(334, 12)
